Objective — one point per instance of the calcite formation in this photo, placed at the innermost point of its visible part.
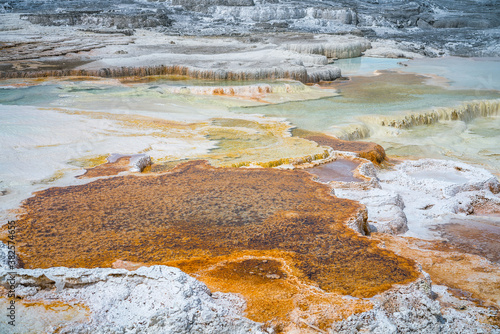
(417, 308)
(103, 20)
(464, 112)
(411, 195)
(149, 300)
(260, 249)
(106, 54)
(426, 27)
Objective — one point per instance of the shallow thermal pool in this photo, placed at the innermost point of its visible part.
(370, 101)
(338, 170)
(51, 129)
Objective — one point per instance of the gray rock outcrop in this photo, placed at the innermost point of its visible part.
(465, 28)
(102, 20)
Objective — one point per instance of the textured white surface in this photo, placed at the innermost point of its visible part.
(137, 161)
(414, 309)
(156, 299)
(418, 194)
(39, 147)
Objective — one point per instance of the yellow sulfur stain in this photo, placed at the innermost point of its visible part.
(33, 317)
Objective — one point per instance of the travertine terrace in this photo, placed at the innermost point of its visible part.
(238, 230)
(249, 166)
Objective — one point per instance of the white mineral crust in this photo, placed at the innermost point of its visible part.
(155, 299)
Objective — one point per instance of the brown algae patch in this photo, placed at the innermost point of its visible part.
(386, 87)
(479, 237)
(390, 87)
(204, 220)
(273, 292)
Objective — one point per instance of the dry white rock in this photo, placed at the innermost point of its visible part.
(418, 194)
(155, 299)
(415, 308)
(385, 209)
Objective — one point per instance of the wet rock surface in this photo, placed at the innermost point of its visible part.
(338, 170)
(479, 236)
(366, 150)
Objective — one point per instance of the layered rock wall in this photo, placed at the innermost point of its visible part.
(299, 74)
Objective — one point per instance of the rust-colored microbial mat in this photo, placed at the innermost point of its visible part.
(473, 237)
(449, 266)
(239, 230)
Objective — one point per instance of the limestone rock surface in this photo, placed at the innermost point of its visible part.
(415, 309)
(155, 299)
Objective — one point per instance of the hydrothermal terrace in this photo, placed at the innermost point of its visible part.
(249, 166)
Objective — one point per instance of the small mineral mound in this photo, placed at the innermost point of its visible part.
(213, 223)
(118, 163)
(367, 150)
(108, 169)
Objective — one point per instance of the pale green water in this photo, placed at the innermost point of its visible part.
(469, 73)
(386, 94)
(476, 142)
(40, 146)
(401, 90)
